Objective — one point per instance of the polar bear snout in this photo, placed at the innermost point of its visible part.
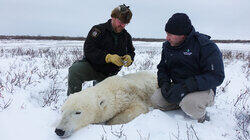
(59, 132)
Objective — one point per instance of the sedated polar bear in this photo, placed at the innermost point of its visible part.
(115, 100)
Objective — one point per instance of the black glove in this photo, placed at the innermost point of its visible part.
(176, 93)
(165, 88)
(191, 84)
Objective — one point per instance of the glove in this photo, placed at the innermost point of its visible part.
(191, 84)
(127, 60)
(165, 88)
(114, 58)
(176, 93)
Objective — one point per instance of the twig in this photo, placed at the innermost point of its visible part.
(194, 132)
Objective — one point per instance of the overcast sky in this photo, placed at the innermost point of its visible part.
(221, 19)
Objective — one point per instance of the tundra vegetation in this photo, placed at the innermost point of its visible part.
(37, 71)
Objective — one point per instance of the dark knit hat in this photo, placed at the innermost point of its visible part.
(123, 13)
(179, 24)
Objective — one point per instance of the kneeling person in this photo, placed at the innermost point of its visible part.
(107, 48)
(190, 69)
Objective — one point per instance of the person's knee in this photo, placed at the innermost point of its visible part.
(192, 108)
(72, 71)
(188, 105)
(155, 98)
(159, 102)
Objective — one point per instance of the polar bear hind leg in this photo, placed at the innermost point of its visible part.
(134, 110)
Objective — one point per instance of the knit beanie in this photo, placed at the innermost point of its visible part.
(179, 24)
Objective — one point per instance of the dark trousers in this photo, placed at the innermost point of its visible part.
(80, 72)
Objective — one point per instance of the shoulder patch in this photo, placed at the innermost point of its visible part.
(95, 32)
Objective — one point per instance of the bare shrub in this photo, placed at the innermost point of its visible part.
(119, 134)
(23, 37)
(3, 103)
(21, 52)
(190, 133)
(151, 53)
(1, 52)
(9, 83)
(223, 87)
(194, 132)
(46, 73)
(20, 79)
(246, 67)
(143, 138)
(146, 65)
(240, 55)
(51, 95)
(227, 54)
(177, 136)
(61, 58)
(77, 54)
(230, 55)
(103, 136)
(242, 115)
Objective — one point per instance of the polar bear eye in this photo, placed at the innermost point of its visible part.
(78, 112)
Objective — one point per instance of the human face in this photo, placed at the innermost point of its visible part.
(175, 40)
(117, 25)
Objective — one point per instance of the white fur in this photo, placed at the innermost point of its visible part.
(115, 100)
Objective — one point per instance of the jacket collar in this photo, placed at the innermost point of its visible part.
(186, 41)
(109, 27)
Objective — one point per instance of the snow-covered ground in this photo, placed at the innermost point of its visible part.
(33, 84)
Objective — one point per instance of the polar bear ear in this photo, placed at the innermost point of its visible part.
(102, 104)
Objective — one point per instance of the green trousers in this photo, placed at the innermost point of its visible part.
(80, 72)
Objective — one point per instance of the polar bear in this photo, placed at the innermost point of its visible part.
(115, 100)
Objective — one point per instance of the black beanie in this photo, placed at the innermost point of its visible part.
(179, 24)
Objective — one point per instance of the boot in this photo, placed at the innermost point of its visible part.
(170, 107)
(204, 118)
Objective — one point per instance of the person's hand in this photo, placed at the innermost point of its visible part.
(176, 93)
(127, 60)
(115, 59)
(191, 84)
(164, 89)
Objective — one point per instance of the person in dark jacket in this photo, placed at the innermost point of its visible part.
(190, 69)
(108, 47)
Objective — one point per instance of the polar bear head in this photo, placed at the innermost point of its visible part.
(78, 111)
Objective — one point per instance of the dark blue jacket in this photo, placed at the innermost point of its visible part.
(197, 57)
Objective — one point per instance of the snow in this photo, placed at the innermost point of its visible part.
(27, 78)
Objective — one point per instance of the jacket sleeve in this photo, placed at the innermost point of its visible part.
(212, 67)
(130, 48)
(92, 50)
(163, 71)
